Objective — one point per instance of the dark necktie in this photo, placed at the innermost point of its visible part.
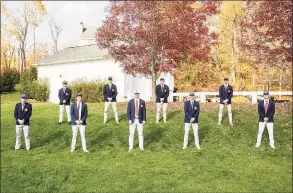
(136, 108)
(78, 107)
(266, 107)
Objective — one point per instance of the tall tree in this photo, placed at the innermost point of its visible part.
(151, 37)
(267, 35)
(18, 23)
(55, 30)
(228, 30)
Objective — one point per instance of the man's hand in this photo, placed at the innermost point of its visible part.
(129, 122)
(225, 101)
(192, 120)
(21, 122)
(143, 122)
(162, 99)
(110, 99)
(77, 122)
(81, 121)
(266, 119)
(64, 101)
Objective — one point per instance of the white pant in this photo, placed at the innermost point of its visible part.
(61, 110)
(26, 132)
(195, 132)
(107, 105)
(229, 108)
(139, 131)
(159, 106)
(82, 135)
(270, 127)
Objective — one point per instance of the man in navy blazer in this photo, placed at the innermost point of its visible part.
(110, 94)
(191, 110)
(162, 94)
(136, 114)
(64, 96)
(79, 114)
(266, 111)
(22, 114)
(226, 93)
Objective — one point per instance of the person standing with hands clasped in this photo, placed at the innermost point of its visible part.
(191, 110)
(266, 111)
(136, 114)
(162, 94)
(79, 114)
(226, 93)
(22, 114)
(110, 94)
(64, 96)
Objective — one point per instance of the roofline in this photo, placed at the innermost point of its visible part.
(72, 61)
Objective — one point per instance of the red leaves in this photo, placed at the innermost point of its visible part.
(267, 31)
(155, 32)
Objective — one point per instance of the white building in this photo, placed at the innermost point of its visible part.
(81, 58)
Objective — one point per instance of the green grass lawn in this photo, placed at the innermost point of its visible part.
(226, 162)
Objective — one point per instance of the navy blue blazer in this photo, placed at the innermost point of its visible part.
(64, 96)
(270, 113)
(225, 94)
(141, 111)
(191, 111)
(110, 92)
(23, 115)
(162, 94)
(74, 113)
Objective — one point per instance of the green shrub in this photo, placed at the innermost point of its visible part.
(26, 83)
(92, 91)
(9, 78)
(41, 90)
(33, 88)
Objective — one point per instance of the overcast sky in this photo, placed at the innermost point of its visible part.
(69, 14)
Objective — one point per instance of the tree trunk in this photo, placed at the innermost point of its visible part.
(253, 79)
(154, 78)
(280, 83)
(34, 44)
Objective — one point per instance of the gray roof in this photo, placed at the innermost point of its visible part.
(89, 33)
(75, 54)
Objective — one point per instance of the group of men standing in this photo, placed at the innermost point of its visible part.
(136, 113)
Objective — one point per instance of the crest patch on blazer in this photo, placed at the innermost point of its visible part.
(195, 108)
(228, 90)
(25, 109)
(141, 105)
(66, 94)
(113, 90)
(165, 90)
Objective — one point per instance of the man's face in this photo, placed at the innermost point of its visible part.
(191, 98)
(64, 85)
(22, 100)
(110, 81)
(136, 95)
(226, 81)
(162, 81)
(78, 98)
(266, 96)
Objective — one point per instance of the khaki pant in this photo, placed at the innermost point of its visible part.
(107, 105)
(26, 132)
(195, 132)
(160, 106)
(261, 127)
(229, 108)
(139, 131)
(61, 110)
(82, 135)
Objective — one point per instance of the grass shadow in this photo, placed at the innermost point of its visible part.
(154, 136)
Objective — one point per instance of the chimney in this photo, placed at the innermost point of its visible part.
(81, 28)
